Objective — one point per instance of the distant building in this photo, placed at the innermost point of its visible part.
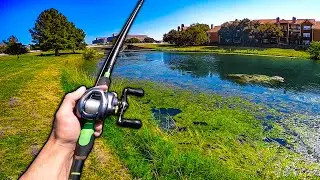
(307, 30)
(104, 40)
(100, 40)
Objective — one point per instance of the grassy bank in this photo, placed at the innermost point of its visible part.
(229, 50)
(214, 138)
(30, 94)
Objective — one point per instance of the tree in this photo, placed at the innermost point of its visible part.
(314, 50)
(196, 34)
(133, 40)
(149, 40)
(171, 36)
(246, 31)
(13, 47)
(3, 48)
(52, 30)
(269, 31)
(76, 38)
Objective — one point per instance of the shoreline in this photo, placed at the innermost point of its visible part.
(286, 53)
(211, 52)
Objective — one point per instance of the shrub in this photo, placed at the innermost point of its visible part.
(149, 40)
(133, 40)
(314, 50)
(16, 49)
(89, 54)
(2, 48)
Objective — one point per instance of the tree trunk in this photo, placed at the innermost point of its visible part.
(56, 52)
(73, 51)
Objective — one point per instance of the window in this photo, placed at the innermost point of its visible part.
(295, 27)
(307, 35)
(306, 42)
(306, 27)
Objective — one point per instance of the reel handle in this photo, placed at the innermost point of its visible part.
(126, 123)
(135, 92)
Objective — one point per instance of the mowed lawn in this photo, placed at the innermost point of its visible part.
(215, 137)
(30, 94)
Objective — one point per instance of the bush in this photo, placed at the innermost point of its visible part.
(2, 48)
(149, 40)
(133, 40)
(16, 49)
(314, 50)
(89, 54)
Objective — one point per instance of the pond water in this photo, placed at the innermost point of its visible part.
(208, 72)
(298, 95)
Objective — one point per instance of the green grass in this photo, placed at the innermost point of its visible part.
(230, 147)
(229, 50)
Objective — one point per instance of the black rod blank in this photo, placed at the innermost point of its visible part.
(112, 57)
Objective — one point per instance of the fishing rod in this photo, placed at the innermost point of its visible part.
(97, 104)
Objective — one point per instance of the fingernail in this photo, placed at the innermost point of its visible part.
(82, 88)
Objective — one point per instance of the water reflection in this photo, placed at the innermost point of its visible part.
(299, 75)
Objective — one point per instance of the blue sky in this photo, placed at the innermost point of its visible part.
(104, 17)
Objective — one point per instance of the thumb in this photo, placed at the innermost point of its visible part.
(76, 95)
(70, 99)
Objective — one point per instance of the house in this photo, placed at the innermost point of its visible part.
(213, 34)
(296, 31)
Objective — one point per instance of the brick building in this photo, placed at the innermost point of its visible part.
(307, 30)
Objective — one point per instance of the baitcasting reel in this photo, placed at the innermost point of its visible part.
(96, 104)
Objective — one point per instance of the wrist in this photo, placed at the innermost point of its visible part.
(60, 146)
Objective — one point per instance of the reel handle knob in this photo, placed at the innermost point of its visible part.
(126, 123)
(135, 92)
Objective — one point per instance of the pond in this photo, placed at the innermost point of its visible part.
(296, 99)
(209, 72)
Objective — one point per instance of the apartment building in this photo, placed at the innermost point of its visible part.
(296, 31)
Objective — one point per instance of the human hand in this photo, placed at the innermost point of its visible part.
(67, 128)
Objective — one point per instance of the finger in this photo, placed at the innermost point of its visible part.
(98, 128)
(70, 99)
(103, 87)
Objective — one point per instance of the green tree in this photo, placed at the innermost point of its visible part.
(171, 36)
(3, 48)
(133, 40)
(196, 34)
(52, 30)
(314, 50)
(13, 47)
(269, 31)
(149, 40)
(76, 38)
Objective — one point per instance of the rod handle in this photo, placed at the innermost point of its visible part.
(83, 148)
